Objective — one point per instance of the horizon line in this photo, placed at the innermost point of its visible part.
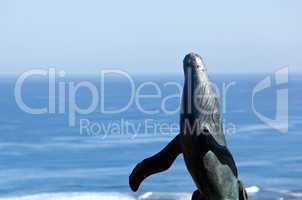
(89, 74)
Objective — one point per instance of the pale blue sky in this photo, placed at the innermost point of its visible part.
(140, 36)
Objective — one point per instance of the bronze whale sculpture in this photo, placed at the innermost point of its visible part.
(201, 141)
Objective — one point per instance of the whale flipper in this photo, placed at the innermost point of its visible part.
(155, 164)
(197, 196)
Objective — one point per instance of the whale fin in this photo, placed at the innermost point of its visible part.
(155, 164)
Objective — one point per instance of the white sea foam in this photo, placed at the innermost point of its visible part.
(165, 195)
(287, 193)
(73, 196)
(252, 190)
(296, 194)
(184, 196)
(113, 196)
(145, 196)
(101, 196)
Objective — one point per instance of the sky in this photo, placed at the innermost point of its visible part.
(138, 36)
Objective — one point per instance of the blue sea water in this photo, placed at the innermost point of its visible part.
(42, 157)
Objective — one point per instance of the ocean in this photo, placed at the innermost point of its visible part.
(45, 156)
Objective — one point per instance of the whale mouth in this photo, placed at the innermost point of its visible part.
(194, 61)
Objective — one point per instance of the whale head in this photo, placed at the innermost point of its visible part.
(194, 68)
(194, 62)
(200, 101)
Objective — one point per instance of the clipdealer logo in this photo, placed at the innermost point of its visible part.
(280, 80)
(63, 93)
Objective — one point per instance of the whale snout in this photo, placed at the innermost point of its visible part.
(193, 60)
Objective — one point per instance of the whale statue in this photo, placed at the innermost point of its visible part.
(201, 141)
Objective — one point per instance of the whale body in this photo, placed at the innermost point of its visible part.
(201, 141)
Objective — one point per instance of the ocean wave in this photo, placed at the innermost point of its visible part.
(101, 196)
(111, 196)
(260, 127)
(259, 163)
(76, 143)
(183, 196)
(286, 194)
(73, 196)
(14, 175)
